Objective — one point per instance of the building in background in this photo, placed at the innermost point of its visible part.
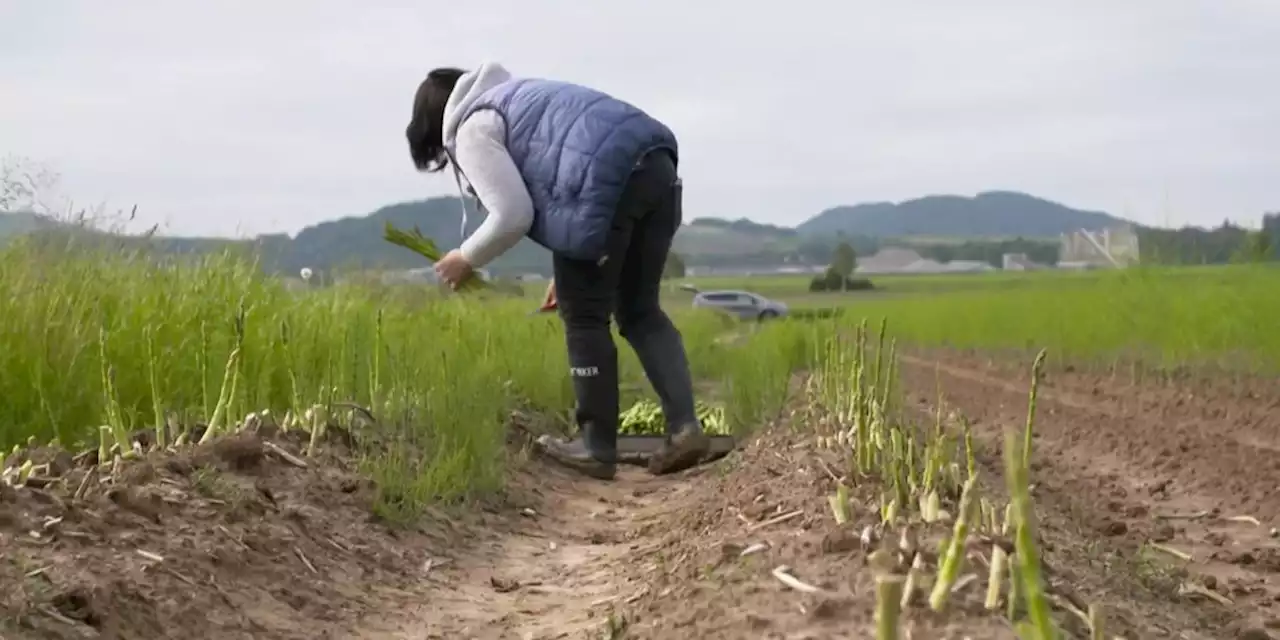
(1019, 262)
(1110, 248)
(899, 260)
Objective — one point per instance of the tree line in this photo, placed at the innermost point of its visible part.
(1225, 244)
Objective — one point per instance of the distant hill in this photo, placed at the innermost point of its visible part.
(357, 241)
(1003, 214)
(353, 242)
(716, 236)
(17, 223)
(942, 227)
(745, 226)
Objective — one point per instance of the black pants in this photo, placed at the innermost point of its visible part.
(627, 286)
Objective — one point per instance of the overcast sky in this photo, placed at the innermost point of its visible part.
(231, 117)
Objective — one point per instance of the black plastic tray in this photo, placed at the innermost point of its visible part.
(638, 450)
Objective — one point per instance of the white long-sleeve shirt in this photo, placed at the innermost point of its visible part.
(480, 151)
(483, 158)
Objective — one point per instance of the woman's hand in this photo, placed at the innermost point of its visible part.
(549, 301)
(453, 269)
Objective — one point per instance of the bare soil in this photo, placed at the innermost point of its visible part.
(1131, 468)
(233, 541)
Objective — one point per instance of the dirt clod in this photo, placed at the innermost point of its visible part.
(841, 540)
(829, 608)
(11, 518)
(77, 604)
(61, 463)
(179, 466)
(138, 473)
(1253, 633)
(139, 502)
(730, 551)
(241, 452)
(1163, 532)
(1244, 558)
(1115, 528)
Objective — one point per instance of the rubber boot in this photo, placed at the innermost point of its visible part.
(574, 455)
(593, 361)
(681, 450)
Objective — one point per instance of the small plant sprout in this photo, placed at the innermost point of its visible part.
(889, 594)
(840, 507)
(915, 573)
(951, 561)
(1097, 623)
(1026, 560)
(999, 562)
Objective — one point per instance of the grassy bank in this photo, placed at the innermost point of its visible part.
(94, 338)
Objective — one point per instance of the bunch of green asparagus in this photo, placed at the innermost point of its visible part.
(425, 247)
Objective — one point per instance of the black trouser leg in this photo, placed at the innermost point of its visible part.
(585, 295)
(641, 320)
(593, 358)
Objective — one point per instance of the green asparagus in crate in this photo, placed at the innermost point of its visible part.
(645, 418)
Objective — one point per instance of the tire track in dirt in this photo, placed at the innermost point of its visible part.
(1190, 437)
(1119, 462)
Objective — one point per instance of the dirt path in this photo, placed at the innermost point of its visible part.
(687, 556)
(1134, 465)
(554, 570)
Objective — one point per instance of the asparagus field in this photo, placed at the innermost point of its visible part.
(195, 450)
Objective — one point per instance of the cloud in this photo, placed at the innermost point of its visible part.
(269, 116)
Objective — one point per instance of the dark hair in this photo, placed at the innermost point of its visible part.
(426, 127)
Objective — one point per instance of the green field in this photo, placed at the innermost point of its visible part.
(93, 339)
(117, 340)
(790, 286)
(793, 289)
(1165, 316)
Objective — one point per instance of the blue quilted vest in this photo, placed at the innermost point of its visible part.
(575, 147)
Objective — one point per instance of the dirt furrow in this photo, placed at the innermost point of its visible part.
(1138, 475)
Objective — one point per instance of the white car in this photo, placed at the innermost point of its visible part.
(743, 304)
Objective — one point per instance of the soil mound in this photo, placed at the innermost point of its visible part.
(238, 539)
